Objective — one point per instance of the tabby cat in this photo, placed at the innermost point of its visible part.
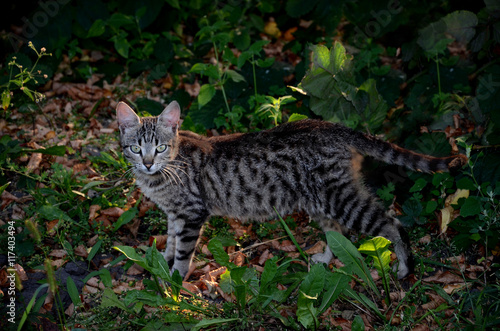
(299, 166)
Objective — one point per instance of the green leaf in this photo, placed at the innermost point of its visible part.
(131, 254)
(126, 217)
(110, 299)
(377, 248)
(5, 99)
(296, 117)
(298, 8)
(204, 69)
(207, 92)
(350, 256)
(220, 255)
(430, 206)
(268, 274)
(419, 185)
(122, 46)
(97, 28)
(206, 323)
(174, 3)
(471, 207)
(309, 292)
(27, 311)
(3, 187)
(466, 183)
(94, 250)
(73, 291)
(335, 283)
(358, 324)
(235, 76)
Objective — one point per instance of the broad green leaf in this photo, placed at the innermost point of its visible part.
(419, 185)
(207, 92)
(122, 46)
(430, 206)
(377, 248)
(3, 187)
(110, 299)
(471, 207)
(6, 99)
(235, 76)
(350, 256)
(53, 150)
(298, 8)
(97, 28)
(296, 117)
(461, 25)
(206, 323)
(220, 255)
(73, 291)
(466, 183)
(335, 284)
(126, 217)
(358, 324)
(148, 298)
(268, 274)
(204, 69)
(131, 254)
(309, 292)
(174, 3)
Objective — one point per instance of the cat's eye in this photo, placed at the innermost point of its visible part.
(135, 149)
(161, 148)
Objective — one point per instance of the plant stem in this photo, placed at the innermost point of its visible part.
(254, 77)
(221, 81)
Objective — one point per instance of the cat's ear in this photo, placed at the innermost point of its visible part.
(126, 116)
(170, 115)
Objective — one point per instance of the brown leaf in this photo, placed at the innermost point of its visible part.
(239, 258)
(93, 211)
(113, 212)
(266, 255)
(191, 288)
(59, 253)
(287, 246)
(319, 247)
(52, 226)
(34, 162)
(425, 239)
(81, 250)
(58, 263)
(161, 241)
(7, 199)
(444, 278)
(435, 302)
(135, 269)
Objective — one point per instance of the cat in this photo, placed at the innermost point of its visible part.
(305, 166)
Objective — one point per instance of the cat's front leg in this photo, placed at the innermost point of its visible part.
(187, 233)
(169, 253)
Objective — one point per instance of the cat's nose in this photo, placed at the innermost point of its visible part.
(148, 165)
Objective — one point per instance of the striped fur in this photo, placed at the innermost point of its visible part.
(304, 165)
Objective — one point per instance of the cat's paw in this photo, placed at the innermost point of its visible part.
(322, 257)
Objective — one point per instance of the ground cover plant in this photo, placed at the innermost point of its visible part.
(80, 243)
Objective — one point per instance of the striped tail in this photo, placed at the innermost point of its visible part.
(393, 154)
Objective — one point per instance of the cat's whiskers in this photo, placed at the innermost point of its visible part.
(173, 172)
(166, 176)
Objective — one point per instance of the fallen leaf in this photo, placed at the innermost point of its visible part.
(60, 253)
(112, 212)
(445, 277)
(239, 259)
(81, 250)
(319, 247)
(34, 162)
(161, 241)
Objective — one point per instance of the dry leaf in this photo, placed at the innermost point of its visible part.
(319, 247)
(161, 241)
(52, 226)
(34, 162)
(135, 270)
(444, 278)
(239, 259)
(81, 250)
(93, 211)
(7, 199)
(113, 212)
(60, 253)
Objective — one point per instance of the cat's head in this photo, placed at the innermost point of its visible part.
(149, 143)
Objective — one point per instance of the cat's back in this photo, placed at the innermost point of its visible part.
(304, 133)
